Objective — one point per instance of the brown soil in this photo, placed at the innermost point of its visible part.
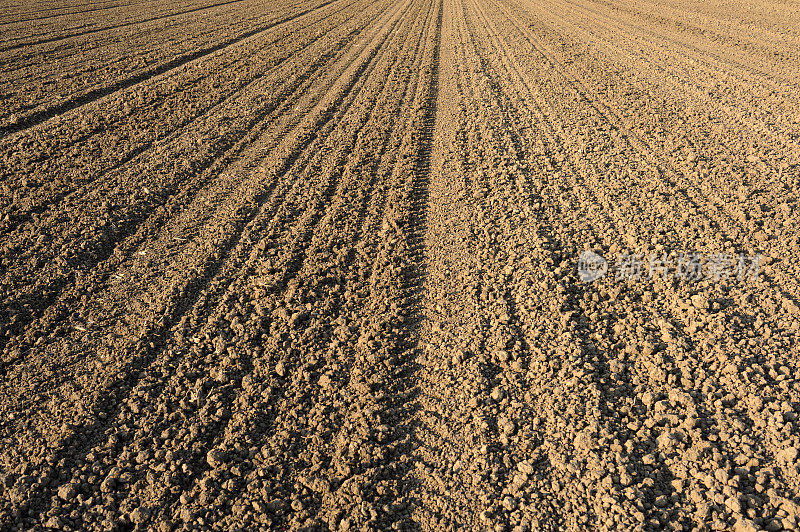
(314, 265)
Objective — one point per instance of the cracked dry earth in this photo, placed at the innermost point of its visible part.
(283, 265)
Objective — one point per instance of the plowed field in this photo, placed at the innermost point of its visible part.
(320, 265)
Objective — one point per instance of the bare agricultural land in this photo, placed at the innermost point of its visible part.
(509, 265)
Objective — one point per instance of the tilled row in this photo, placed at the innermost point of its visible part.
(40, 10)
(121, 203)
(138, 326)
(731, 139)
(290, 230)
(175, 237)
(45, 80)
(65, 159)
(625, 417)
(53, 26)
(179, 234)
